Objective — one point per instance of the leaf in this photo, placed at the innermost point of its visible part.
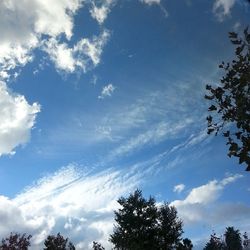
(208, 87)
(210, 130)
(237, 42)
(232, 35)
(226, 134)
(239, 49)
(238, 134)
(209, 118)
(212, 108)
(209, 97)
(246, 31)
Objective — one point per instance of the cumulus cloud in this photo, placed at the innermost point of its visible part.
(200, 200)
(44, 28)
(17, 119)
(73, 201)
(222, 8)
(179, 188)
(107, 91)
(22, 28)
(85, 53)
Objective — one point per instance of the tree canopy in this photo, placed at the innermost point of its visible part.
(16, 241)
(140, 224)
(230, 101)
(58, 242)
(97, 246)
(231, 241)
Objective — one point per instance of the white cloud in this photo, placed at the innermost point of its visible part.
(200, 200)
(17, 119)
(75, 202)
(22, 29)
(150, 2)
(179, 188)
(107, 91)
(158, 2)
(222, 8)
(100, 13)
(84, 55)
(44, 28)
(157, 133)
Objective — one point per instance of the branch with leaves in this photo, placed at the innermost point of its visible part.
(231, 101)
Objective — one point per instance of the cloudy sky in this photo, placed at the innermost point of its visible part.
(98, 98)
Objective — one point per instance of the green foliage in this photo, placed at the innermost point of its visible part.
(169, 227)
(141, 225)
(233, 239)
(231, 101)
(58, 243)
(215, 243)
(97, 246)
(186, 244)
(16, 242)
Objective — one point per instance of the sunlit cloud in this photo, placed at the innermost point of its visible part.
(17, 119)
(73, 200)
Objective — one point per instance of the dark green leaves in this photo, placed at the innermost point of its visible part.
(143, 225)
(230, 101)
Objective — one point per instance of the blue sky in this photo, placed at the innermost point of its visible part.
(101, 97)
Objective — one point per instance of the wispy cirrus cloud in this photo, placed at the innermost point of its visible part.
(150, 2)
(74, 201)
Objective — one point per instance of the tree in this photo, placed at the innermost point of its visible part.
(136, 223)
(141, 225)
(97, 246)
(233, 239)
(186, 244)
(231, 101)
(169, 228)
(16, 242)
(245, 240)
(215, 243)
(58, 242)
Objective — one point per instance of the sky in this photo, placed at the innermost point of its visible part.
(98, 98)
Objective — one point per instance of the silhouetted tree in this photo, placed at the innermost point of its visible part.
(215, 243)
(233, 239)
(136, 223)
(186, 244)
(97, 246)
(169, 228)
(245, 240)
(231, 101)
(58, 242)
(16, 242)
(141, 225)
